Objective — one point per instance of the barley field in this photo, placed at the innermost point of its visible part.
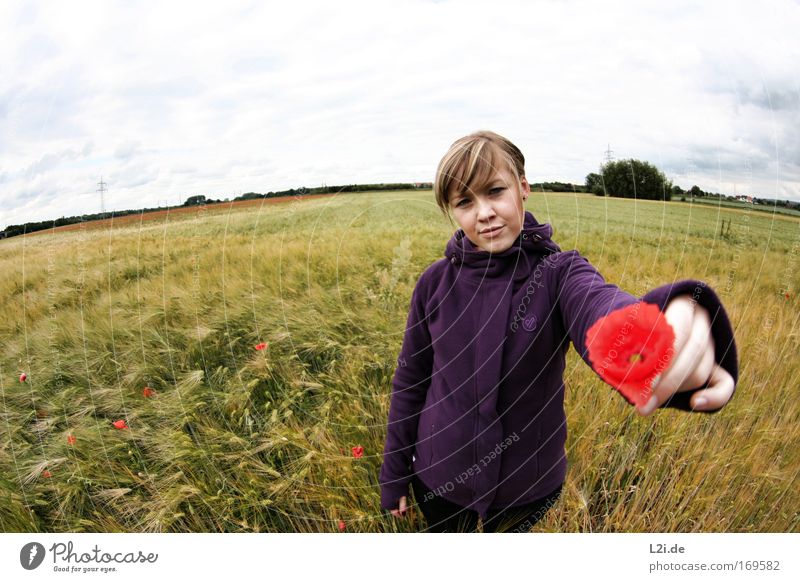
(248, 351)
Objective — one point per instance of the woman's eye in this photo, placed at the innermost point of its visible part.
(462, 202)
(496, 190)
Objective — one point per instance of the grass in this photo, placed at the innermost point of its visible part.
(245, 440)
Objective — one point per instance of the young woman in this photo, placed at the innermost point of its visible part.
(476, 421)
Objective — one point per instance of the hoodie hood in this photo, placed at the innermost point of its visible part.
(534, 238)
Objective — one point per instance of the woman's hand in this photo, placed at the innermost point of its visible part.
(401, 510)
(693, 361)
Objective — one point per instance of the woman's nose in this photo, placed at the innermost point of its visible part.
(485, 210)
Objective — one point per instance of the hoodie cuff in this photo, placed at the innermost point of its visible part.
(392, 492)
(721, 330)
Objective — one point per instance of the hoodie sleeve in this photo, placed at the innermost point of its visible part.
(409, 389)
(583, 297)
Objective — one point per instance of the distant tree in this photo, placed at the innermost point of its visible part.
(594, 184)
(250, 196)
(696, 191)
(195, 200)
(635, 179)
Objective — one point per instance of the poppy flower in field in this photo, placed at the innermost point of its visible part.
(46, 473)
(630, 347)
(358, 451)
(342, 525)
(23, 377)
(148, 392)
(786, 295)
(71, 439)
(261, 346)
(120, 424)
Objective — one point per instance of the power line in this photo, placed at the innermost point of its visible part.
(102, 189)
(609, 154)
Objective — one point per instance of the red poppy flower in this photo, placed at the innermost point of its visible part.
(71, 439)
(358, 451)
(261, 346)
(342, 525)
(148, 392)
(120, 424)
(46, 473)
(629, 347)
(786, 295)
(23, 377)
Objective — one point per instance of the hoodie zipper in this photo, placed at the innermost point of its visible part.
(475, 439)
(476, 422)
(430, 445)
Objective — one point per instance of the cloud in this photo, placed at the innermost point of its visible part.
(51, 161)
(126, 150)
(133, 175)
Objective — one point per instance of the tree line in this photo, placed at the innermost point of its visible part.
(640, 179)
(195, 200)
(621, 178)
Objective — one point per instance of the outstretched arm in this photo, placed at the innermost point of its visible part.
(705, 363)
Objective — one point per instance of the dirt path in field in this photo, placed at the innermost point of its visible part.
(180, 210)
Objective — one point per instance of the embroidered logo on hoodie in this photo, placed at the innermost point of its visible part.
(529, 323)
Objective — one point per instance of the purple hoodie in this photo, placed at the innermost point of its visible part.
(477, 406)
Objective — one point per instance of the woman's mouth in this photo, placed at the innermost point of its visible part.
(493, 233)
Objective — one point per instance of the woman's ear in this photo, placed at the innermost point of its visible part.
(526, 188)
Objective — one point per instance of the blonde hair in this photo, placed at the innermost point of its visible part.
(471, 162)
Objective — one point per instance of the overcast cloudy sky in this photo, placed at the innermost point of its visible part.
(165, 100)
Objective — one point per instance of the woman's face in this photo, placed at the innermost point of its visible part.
(498, 204)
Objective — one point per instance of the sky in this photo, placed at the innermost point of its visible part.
(166, 100)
